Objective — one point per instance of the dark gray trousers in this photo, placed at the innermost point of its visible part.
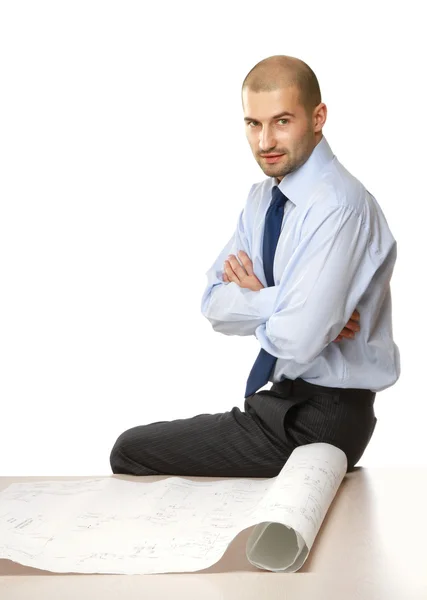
(256, 442)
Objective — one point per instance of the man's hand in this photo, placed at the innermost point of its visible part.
(351, 327)
(242, 275)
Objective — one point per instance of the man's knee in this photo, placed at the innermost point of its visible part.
(128, 455)
(120, 458)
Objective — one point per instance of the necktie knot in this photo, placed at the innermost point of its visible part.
(278, 198)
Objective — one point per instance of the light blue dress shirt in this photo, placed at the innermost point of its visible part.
(335, 254)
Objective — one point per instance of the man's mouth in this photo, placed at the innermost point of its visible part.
(272, 157)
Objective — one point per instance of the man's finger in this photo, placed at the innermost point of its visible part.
(237, 267)
(352, 325)
(246, 262)
(230, 272)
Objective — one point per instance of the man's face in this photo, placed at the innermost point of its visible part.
(292, 136)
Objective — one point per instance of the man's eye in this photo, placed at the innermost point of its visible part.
(250, 122)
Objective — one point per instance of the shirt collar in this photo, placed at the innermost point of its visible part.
(296, 185)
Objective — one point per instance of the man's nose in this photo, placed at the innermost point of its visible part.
(266, 141)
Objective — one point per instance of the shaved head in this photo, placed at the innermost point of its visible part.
(281, 71)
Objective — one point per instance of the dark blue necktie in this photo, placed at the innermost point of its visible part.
(265, 362)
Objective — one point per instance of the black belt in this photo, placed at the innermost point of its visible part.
(300, 387)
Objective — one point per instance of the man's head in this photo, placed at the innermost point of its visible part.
(273, 86)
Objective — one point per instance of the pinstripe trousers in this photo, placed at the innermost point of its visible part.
(255, 442)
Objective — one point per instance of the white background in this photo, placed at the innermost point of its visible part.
(124, 166)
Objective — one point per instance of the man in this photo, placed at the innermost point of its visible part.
(307, 271)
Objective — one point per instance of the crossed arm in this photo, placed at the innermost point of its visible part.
(243, 275)
(314, 302)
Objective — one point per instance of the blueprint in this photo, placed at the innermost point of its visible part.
(172, 525)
